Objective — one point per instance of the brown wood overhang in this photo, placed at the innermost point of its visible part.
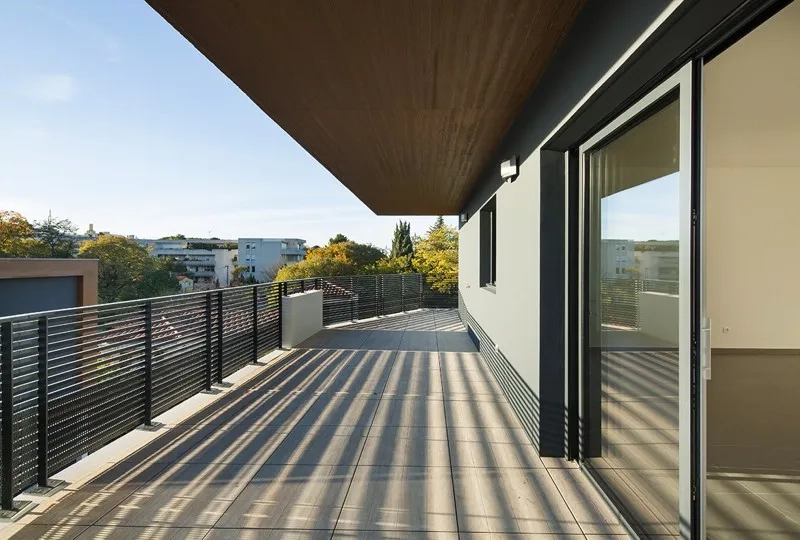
(403, 101)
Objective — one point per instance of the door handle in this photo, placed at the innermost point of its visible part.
(705, 348)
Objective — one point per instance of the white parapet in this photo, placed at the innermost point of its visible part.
(658, 315)
(301, 317)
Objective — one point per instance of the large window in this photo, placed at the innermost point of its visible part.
(488, 224)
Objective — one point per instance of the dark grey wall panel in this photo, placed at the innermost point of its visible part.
(551, 304)
(521, 397)
(37, 294)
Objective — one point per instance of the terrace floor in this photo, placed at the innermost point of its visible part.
(391, 428)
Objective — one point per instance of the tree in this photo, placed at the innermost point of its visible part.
(173, 237)
(337, 259)
(437, 256)
(57, 234)
(338, 239)
(438, 224)
(402, 245)
(126, 270)
(269, 273)
(239, 276)
(393, 265)
(16, 235)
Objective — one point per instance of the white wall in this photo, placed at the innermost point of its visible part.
(753, 188)
(510, 315)
(301, 317)
(223, 258)
(657, 315)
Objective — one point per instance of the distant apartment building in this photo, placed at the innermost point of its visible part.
(259, 255)
(617, 258)
(658, 265)
(208, 262)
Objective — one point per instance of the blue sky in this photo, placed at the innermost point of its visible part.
(110, 117)
(649, 211)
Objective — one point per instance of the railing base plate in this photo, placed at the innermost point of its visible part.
(20, 509)
(52, 487)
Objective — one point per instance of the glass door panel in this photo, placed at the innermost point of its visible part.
(637, 283)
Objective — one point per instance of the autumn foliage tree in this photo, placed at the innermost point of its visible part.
(345, 258)
(436, 256)
(127, 271)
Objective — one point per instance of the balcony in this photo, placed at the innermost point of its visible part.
(389, 427)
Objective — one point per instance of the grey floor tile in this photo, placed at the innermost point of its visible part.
(454, 342)
(267, 534)
(473, 414)
(54, 532)
(395, 535)
(406, 361)
(495, 435)
(389, 449)
(290, 497)
(134, 533)
(511, 501)
(488, 454)
(239, 443)
(475, 390)
(384, 340)
(399, 499)
(462, 361)
(419, 340)
(519, 536)
(405, 381)
(412, 411)
(94, 499)
(321, 445)
(592, 512)
(183, 495)
(347, 339)
(363, 374)
(341, 410)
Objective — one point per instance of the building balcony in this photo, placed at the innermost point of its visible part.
(196, 423)
(202, 273)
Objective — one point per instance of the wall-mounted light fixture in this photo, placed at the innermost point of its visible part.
(509, 169)
(462, 219)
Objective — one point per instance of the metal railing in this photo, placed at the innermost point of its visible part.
(73, 380)
(619, 298)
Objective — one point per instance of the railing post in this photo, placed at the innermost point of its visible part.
(402, 293)
(378, 296)
(219, 336)
(208, 342)
(280, 315)
(302, 285)
(43, 445)
(352, 300)
(148, 363)
(317, 284)
(255, 324)
(7, 430)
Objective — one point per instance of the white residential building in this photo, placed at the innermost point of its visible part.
(207, 261)
(617, 257)
(660, 265)
(259, 255)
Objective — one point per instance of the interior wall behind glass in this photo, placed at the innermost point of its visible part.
(752, 179)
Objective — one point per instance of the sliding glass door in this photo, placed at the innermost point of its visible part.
(636, 286)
